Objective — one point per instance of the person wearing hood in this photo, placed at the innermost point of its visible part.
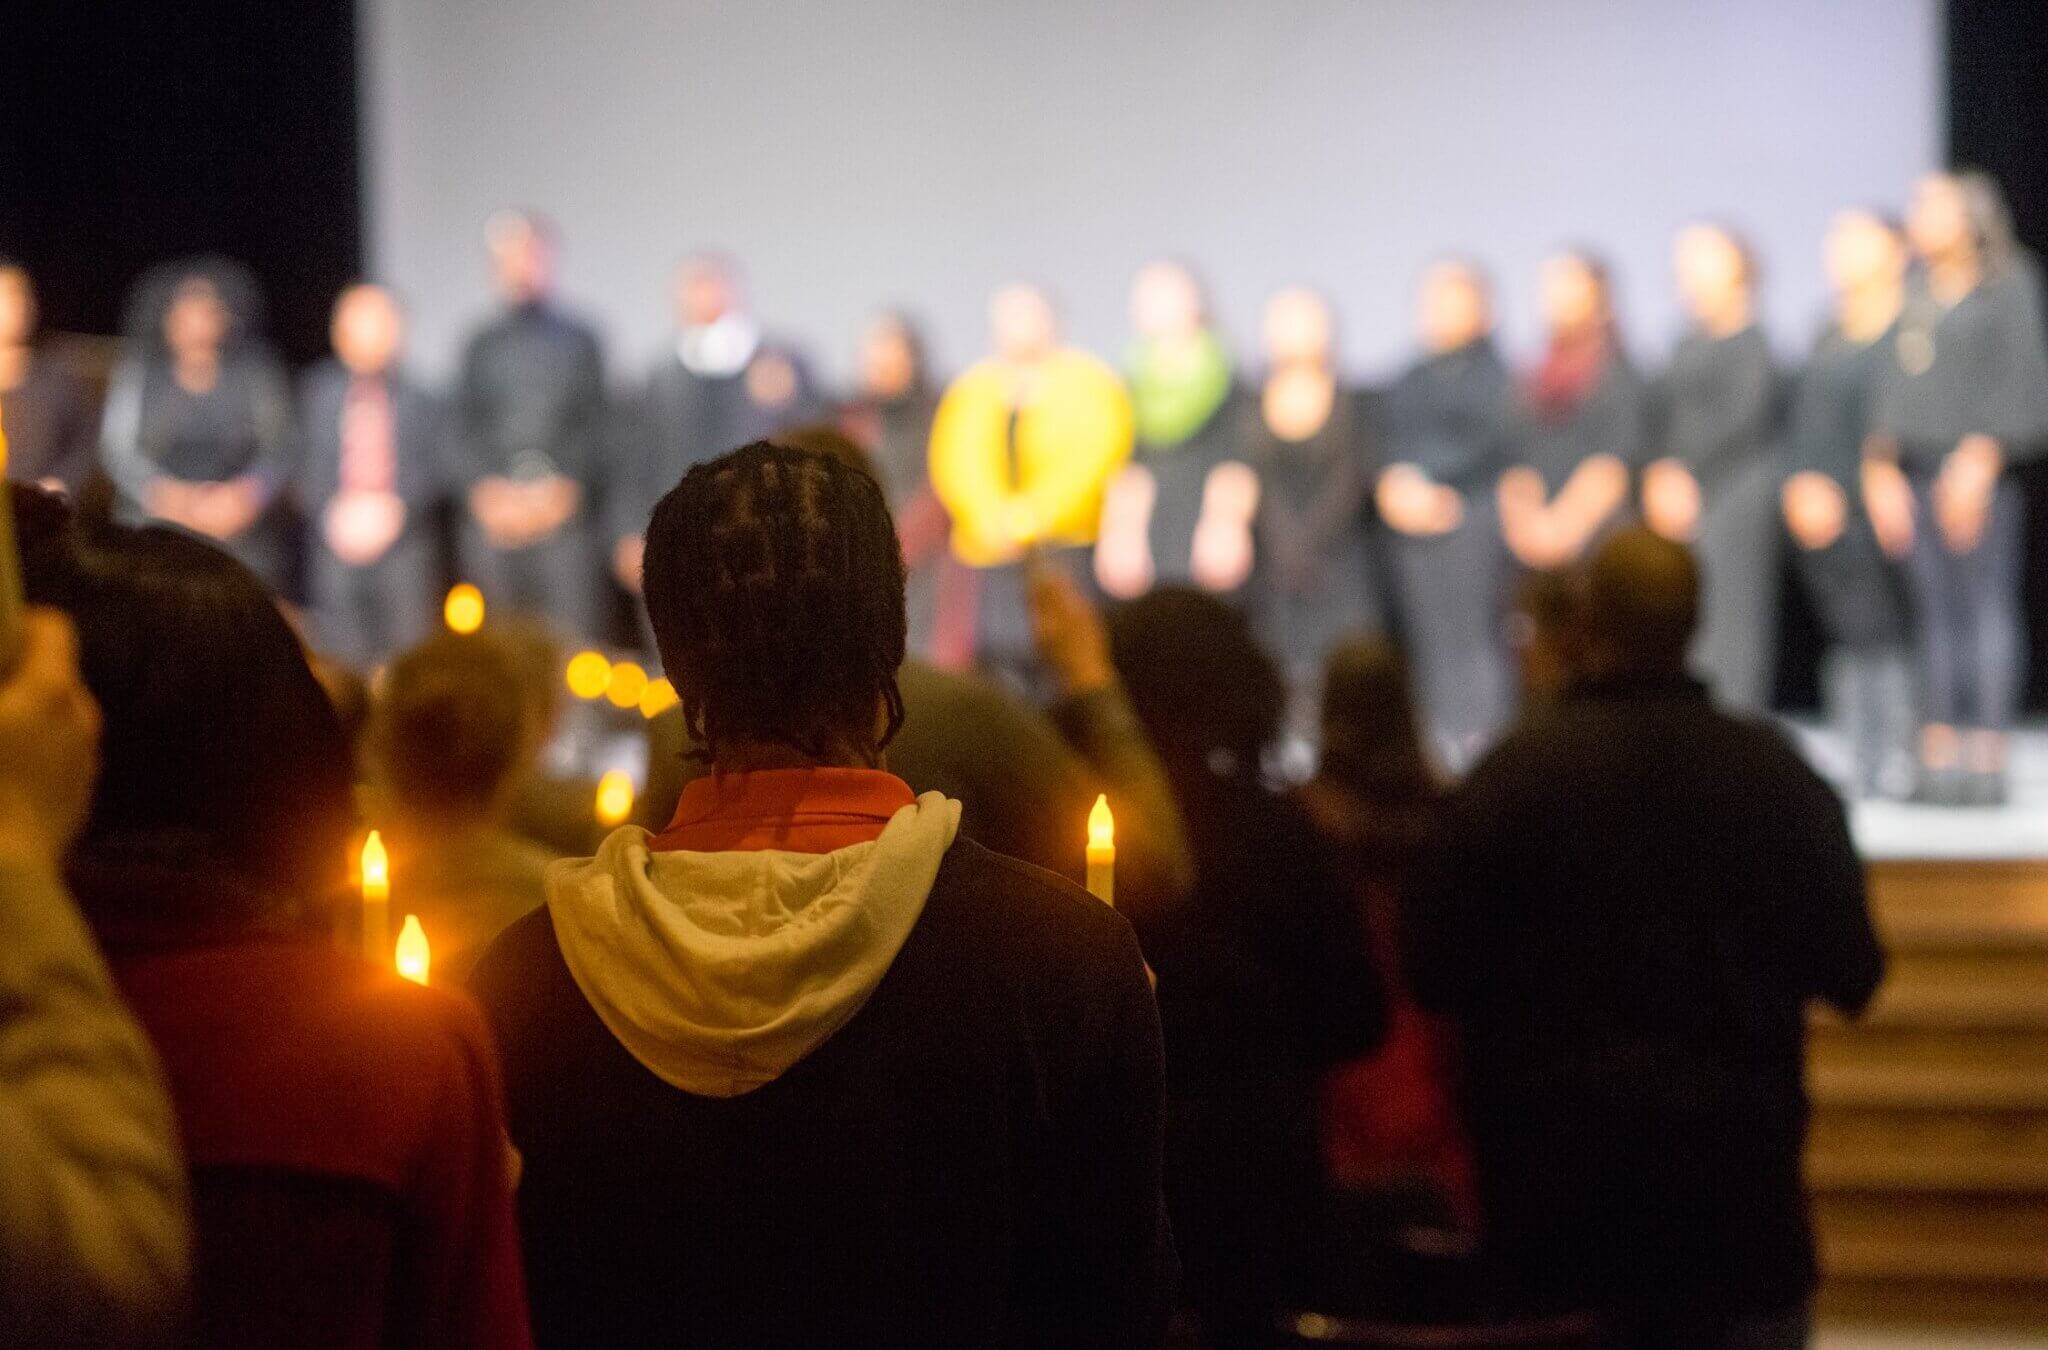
(1181, 513)
(807, 1067)
(722, 384)
(46, 413)
(1721, 405)
(197, 429)
(529, 412)
(1448, 424)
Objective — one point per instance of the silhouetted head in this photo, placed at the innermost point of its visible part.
(774, 583)
(1372, 738)
(221, 752)
(1641, 605)
(453, 732)
(1207, 693)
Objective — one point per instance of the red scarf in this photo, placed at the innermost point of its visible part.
(1571, 367)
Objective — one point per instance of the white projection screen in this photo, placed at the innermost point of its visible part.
(917, 152)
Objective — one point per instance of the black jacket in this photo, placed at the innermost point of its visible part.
(972, 1161)
(1638, 897)
(416, 433)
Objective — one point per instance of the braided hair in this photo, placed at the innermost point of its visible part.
(774, 582)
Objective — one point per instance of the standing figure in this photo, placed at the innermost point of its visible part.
(197, 429)
(1023, 445)
(892, 415)
(1855, 589)
(1711, 483)
(722, 384)
(45, 413)
(1449, 428)
(1583, 423)
(1314, 572)
(1179, 514)
(529, 425)
(1965, 401)
(369, 476)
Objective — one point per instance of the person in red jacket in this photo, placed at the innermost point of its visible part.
(350, 1182)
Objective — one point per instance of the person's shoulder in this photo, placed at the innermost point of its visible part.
(1019, 913)
(516, 959)
(401, 1031)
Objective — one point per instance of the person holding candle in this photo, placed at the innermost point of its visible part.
(1265, 974)
(369, 477)
(806, 1067)
(343, 1127)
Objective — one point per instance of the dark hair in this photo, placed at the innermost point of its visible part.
(1372, 738)
(150, 300)
(1199, 680)
(220, 751)
(1642, 598)
(822, 438)
(774, 583)
(452, 724)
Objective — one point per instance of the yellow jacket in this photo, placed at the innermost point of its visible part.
(1073, 432)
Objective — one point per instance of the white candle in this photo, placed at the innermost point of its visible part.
(376, 900)
(1102, 852)
(413, 953)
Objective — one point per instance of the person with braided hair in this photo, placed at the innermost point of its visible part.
(809, 1066)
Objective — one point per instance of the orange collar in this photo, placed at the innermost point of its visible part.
(795, 810)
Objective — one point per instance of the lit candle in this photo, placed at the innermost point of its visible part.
(657, 698)
(589, 674)
(413, 954)
(1102, 852)
(627, 683)
(614, 798)
(463, 610)
(376, 900)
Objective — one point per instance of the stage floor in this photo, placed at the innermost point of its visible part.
(1903, 830)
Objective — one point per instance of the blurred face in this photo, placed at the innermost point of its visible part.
(1298, 328)
(1938, 218)
(1709, 268)
(705, 293)
(367, 329)
(1452, 308)
(17, 307)
(888, 360)
(522, 260)
(1573, 297)
(1021, 323)
(1861, 249)
(1166, 302)
(197, 321)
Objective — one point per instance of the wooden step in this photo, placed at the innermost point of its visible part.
(1919, 1151)
(1974, 1239)
(1936, 1306)
(1961, 905)
(1942, 1068)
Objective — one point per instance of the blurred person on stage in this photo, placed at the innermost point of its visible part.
(1181, 513)
(94, 1240)
(527, 437)
(807, 1067)
(1964, 404)
(1266, 976)
(453, 740)
(350, 1185)
(891, 413)
(1636, 900)
(722, 383)
(197, 429)
(1024, 444)
(1584, 422)
(369, 477)
(1719, 415)
(1448, 425)
(1302, 436)
(46, 412)
(1857, 592)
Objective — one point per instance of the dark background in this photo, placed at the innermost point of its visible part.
(138, 132)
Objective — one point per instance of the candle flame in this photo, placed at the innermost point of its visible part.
(376, 868)
(1101, 825)
(413, 953)
(463, 610)
(614, 797)
(589, 673)
(627, 683)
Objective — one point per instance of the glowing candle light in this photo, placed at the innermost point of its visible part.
(627, 684)
(413, 952)
(657, 698)
(463, 610)
(614, 798)
(589, 674)
(376, 900)
(1102, 852)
